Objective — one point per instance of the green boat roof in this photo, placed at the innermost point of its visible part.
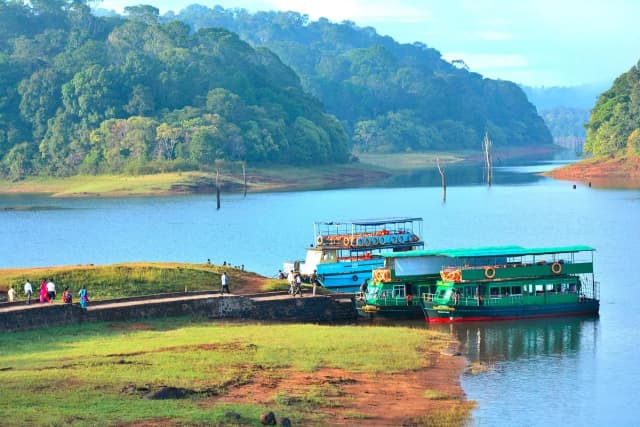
(489, 251)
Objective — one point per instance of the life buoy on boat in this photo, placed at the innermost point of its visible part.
(374, 240)
(556, 268)
(367, 241)
(346, 241)
(319, 240)
(360, 241)
(489, 272)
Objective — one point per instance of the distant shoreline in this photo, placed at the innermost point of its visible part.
(602, 172)
(370, 169)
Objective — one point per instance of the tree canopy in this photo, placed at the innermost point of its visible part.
(614, 124)
(389, 96)
(87, 94)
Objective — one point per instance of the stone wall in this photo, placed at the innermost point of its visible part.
(319, 309)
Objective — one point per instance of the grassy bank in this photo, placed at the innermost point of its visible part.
(224, 374)
(370, 169)
(132, 279)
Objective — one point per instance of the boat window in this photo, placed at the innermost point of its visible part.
(505, 292)
(398, 291)
(494, 292)
(516, 290)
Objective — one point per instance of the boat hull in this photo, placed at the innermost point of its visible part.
(347, 276)
(447, 314)
(399, 312)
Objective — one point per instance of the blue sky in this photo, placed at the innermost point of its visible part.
(537, 43)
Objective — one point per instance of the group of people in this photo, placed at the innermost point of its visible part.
(295, 281)
(48, 293)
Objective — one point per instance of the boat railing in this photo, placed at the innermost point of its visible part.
(427, 297)
(394, 301)
(590, 289)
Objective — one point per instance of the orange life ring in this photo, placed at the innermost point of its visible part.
(556, 268)
(346, 241)
(489, 272)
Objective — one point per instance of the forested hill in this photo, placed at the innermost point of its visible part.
(87, 94)
(390, 96)
(614, 125)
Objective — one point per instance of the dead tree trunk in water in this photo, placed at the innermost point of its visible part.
(217, 190)
(244, 176)
(444, 180)
(486, 145)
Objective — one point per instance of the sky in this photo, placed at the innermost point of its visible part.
(531, 42)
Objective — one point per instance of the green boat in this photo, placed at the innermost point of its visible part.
(514, 283)
(452, 284)
(396, 289)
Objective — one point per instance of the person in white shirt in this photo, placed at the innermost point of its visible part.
(11, 293)
(224, 283)
(51, 290)
(291, 278)
(28, 290)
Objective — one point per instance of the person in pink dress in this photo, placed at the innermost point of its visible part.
(44, 295)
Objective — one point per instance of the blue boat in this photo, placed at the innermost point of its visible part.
(346, 252)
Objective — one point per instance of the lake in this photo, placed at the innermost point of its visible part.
(537, 373)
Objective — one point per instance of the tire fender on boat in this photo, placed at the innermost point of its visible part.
(489, 272)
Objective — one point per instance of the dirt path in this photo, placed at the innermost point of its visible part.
(359, 399)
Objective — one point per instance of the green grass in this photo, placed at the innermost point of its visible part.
(407, 161)
(123, 280)
(90, 374)
(458, 415)
(436, 395)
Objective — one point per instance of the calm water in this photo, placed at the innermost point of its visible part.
(542, 373)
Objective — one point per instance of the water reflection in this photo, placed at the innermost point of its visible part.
(490, 342)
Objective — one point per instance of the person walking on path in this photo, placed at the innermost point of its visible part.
(28, 291)
(44, 296)
(11, 293)
(314, 281)
(84, 297)
(51, 290)
(67, 298)
(291, 278)
(298, 289)
(224, 282)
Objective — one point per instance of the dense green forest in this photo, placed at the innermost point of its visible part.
(389, 96)
(87, 94)
(614, 125)
(81, 93)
